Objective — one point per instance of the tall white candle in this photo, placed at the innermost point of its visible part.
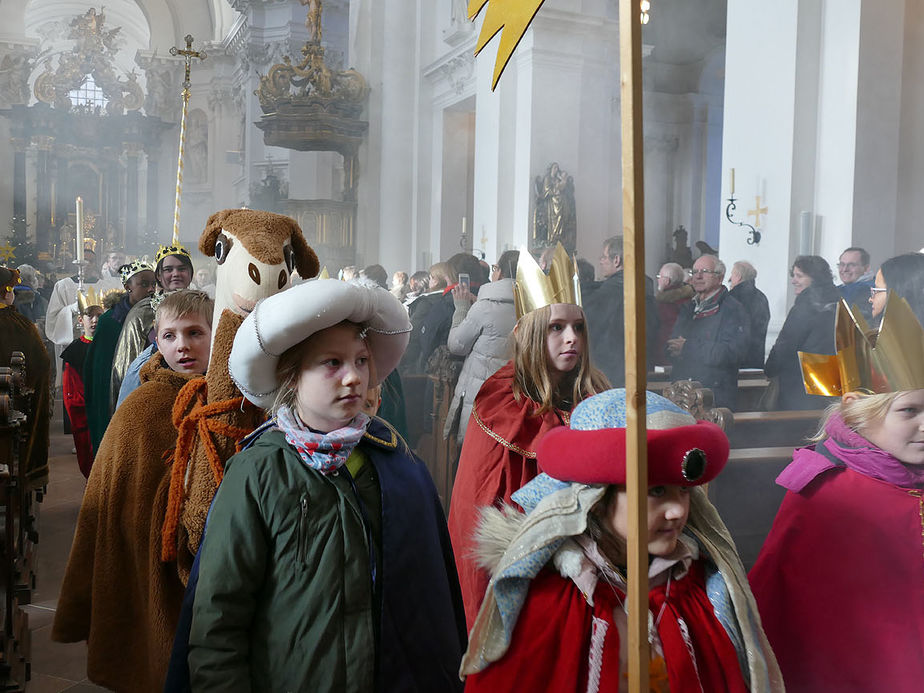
(464, 220)
(79, 230)
(733, 181)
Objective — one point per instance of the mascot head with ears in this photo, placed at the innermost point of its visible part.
(256, 252)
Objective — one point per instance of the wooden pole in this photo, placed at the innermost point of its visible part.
(633, 223)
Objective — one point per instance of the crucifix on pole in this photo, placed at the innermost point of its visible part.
(188, 54)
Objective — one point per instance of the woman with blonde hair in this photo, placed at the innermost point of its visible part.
(838, 581)
(535, 392)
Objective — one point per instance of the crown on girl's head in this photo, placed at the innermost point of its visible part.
(128, 271)
(533, 289)
(88, 299)
(890, 359)
(166, 250)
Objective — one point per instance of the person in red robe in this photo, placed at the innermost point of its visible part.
(529, 396)
(554, 616)
(74, 356)
(840, 579)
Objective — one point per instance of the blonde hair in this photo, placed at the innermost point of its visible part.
(182, 303)
(532, 367)
(444, 275)
(290, 366)
(857, 413)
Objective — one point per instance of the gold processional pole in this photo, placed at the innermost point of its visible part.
(512, 18)
(188, 54)
(633, 223)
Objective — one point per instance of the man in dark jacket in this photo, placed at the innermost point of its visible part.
(744, 290)
(604, 313)
(709, 341)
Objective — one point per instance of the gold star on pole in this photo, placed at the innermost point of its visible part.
(513, 17)
(7, 253)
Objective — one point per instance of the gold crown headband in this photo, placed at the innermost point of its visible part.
(91, 298)
(890, 359)
(533, 289)
(128, 271)
(167, 250)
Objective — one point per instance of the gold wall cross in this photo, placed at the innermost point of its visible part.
(757, 211)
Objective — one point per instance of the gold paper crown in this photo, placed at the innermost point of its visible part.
(890, 359)
(89, 244)
(87, 299)
(533, 289)
(128, 271)
(167, 250)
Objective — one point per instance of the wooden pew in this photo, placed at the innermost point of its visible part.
(756, 429)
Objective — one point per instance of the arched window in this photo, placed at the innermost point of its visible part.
(88, 94)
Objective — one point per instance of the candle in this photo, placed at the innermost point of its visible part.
(79, 230)
(733, 181)
(463, 225)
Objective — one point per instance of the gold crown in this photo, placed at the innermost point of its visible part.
(87, 299)
(128, 271)
(890, 359)
(167, 250)
(89, 244)
(533, 289)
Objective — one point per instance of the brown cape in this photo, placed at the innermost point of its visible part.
(117, 595)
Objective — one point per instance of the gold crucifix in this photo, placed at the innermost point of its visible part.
(757, 211)
(188, 54)
(484, 238)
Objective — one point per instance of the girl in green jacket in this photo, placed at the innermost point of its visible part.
(326, 565)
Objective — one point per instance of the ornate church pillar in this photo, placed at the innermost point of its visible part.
(43, 146)
(132, 152)
(152, 218)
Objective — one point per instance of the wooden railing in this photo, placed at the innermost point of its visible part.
(18, 510)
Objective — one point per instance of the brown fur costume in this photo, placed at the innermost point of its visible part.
(210, 414)
(116, 593)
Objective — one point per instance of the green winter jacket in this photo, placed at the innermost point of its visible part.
(285, 598)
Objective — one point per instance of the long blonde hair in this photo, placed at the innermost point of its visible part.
(533, 368)
(856, 413)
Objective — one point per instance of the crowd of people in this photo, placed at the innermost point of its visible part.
(319, 556)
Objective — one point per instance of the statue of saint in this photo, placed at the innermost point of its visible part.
(555, 216)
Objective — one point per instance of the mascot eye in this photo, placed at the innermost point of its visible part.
(289, 257)
(222, 248)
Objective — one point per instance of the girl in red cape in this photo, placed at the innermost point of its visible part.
(554, 616)
(839, 579)
(532, 394)
(74, 356)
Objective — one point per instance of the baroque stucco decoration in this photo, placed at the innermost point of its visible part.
(93, 54)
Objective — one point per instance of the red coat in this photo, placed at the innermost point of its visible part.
(498, 457)
(840, 586)
(75, 404)
(550, 649)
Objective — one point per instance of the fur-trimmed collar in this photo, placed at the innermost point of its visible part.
(678, 294)
(156, 369)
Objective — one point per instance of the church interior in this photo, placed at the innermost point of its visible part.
(771, 131)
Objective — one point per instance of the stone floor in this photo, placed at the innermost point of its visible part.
(55, 666)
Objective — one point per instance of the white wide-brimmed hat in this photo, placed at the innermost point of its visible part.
(279, 322)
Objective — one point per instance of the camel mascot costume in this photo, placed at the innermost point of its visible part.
(153, 470)
(256, 253)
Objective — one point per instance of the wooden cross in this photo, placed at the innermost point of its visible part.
(757, 211)
(188, 54)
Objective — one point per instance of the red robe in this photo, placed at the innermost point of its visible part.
(498, 457)
(550, 649)
(75, 404)
(840, 586)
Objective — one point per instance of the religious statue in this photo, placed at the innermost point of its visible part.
(555, 215)
(313, 21)
(681, 254)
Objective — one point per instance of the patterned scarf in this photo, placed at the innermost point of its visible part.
(709, 306)
(325, 452)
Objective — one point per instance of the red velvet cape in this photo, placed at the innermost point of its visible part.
(550, 647)
(498, 457)
(840, 586)
(74, 402)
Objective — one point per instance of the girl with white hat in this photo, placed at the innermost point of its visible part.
(326, 564)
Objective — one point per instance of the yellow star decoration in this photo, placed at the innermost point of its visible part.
(511, 16)
(7, 253)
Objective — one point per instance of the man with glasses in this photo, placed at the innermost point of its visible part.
(853, 268)
(710, 339)
(604, 312)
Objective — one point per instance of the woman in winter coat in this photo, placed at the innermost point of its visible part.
(481, 333)
(809, 327)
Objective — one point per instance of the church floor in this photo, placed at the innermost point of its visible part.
(56, 666)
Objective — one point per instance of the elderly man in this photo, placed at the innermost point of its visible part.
(673, 292)
(744, 290)
(710, 339)
(853, 268)
(603, 310)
